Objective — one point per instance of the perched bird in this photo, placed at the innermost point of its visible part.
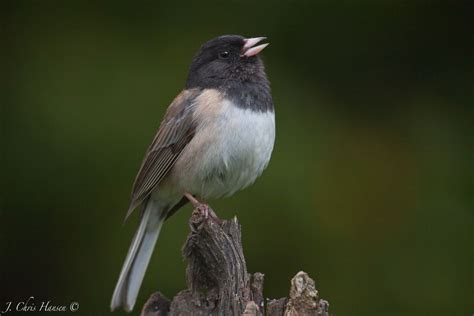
(216, 138)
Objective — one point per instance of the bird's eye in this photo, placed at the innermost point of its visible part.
(224, 54)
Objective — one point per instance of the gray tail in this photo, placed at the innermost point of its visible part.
(138, 257)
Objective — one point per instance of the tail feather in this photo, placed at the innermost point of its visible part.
(138, 257)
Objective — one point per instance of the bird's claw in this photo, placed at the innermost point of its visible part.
(204, 209)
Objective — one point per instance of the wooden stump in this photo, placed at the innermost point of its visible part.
(218, 281)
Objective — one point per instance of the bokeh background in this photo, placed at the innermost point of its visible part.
(370, 188)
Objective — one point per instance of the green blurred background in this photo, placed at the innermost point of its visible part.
(370, 185)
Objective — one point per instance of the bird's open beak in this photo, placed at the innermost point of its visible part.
(250, 49)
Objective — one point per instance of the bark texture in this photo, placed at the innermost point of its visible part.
(218, 281)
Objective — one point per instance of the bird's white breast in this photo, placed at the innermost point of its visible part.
(230, 149)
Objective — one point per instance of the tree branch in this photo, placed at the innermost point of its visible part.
(218, 281)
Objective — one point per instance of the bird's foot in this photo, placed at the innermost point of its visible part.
(203, 207)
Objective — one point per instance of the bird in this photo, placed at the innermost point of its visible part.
(216, 138)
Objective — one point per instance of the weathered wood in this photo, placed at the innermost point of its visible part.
(157, 305)
(276, 307)
(304, 299)
(218, 281)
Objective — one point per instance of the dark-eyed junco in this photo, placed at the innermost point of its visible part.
(216, 138)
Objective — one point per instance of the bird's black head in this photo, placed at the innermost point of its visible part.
(225, 61)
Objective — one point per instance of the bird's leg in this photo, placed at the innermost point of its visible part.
(208, 212)
(192, 199)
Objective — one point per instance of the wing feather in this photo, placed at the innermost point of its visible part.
(174, 133)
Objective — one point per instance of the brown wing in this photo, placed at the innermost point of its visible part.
(173, 135)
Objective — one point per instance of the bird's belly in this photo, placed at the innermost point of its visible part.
(227, 153)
